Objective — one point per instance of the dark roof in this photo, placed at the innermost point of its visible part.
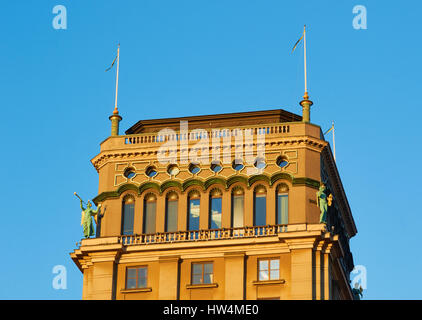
(215, 121)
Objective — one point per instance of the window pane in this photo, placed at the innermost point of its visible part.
(142, 282)
(274, 274)
(263, 275)
(283, 209)
(131, 273)
(171, 221)
(196, 279)
(238, 211)
(197, 268)
(131, 283)
(194, 214)
(208, 278)
(128, 218)
(263, 265)
(274, 264)
(260, 210)
(149, 221)
(216, 206)
(142, 273)
(208, 268)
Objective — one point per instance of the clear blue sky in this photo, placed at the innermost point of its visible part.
(202, 57)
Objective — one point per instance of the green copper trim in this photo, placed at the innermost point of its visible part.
(207, 184)
(306, 182)
(104, 196)
(149, 185)
(235, 179)
(212, 181)
(192, 182)
(126, 187)
(281, 176)
(258, 177)
(170, 184)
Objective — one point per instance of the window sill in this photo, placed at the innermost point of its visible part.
(257, 282)
(148, 289)
(200, 286)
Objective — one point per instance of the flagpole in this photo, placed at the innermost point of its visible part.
(304, 56)
(115, 118)
(117, 76)
(305, 103)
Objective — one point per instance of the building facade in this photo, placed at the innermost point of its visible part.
(218, 207)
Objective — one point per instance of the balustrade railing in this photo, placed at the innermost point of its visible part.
(203, 235)
(229, 132)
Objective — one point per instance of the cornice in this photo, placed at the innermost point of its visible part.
(142, 151)
(339, 191)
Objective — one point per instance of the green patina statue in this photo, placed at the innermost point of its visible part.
(86, 219)
(357, 291)
(322, 203)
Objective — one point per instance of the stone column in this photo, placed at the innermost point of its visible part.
(327, 273)
(101, 282)
(301, 253)
(168, 288)
(234, 285)
(318, 275)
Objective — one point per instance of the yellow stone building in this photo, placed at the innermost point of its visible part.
(218, 207)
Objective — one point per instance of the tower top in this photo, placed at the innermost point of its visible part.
(115, 118)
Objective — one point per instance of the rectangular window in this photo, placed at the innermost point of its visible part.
(171, 221)
(282, 209)
(215, 214)
(149, 226)
(193, 223)
(238, 210)
(136, 277)
(260, 210)
(128, 217)
(268, 269)
(202, 273)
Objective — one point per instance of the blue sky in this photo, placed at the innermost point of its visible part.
(202, 57)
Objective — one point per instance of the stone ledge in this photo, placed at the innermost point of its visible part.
(201, 286)
(148, 289)
(257, 282)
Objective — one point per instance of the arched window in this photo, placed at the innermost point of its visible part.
(260, 206)
(150, 207)
(128, 215)
(238, 207)
(193, 210)
(282, 204)
(216, 207)
(172, 201)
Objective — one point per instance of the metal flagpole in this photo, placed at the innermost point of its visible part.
(304, 54)
(117, 76)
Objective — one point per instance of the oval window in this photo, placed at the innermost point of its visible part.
(173, 170)
(216, 167)
(260, 163)
(151, 172)
(194, 168)
(237, 165)
(282, 162)
(129, 173)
